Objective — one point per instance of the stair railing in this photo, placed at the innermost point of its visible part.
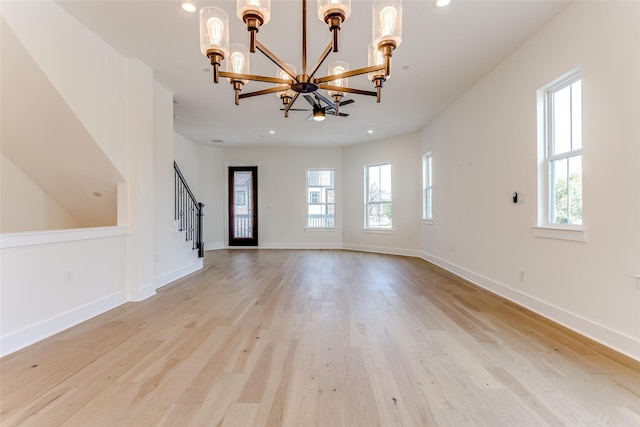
(188, 211)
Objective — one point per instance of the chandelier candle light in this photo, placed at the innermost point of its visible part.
(214, 44)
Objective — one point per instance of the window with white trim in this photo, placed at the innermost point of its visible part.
(561, 168)
(427, 187)
(378, 196)
(321, 208)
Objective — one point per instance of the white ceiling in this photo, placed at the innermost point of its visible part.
(443, 53)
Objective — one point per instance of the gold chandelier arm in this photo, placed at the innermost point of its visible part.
(346, 89)
(321, 59)
(263, 92)
(238, 76)
(266, 52)
(351, 73)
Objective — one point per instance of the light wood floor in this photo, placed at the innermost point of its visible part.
(307, 338)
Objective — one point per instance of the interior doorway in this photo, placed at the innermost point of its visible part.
(243, 206)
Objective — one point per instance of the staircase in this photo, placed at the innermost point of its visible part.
(188, 213)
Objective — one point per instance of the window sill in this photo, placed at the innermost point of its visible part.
(377, 231)
(560, 233)
(321, 229)
(427, 221)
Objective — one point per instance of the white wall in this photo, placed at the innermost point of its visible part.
(25, 206)
(101, 75)
(173, 257)
(282, 194)
(406, 186)
(187, 157)
(53, 280)
(484, 149)
(212, 172)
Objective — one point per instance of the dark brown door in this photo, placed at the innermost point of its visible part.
(243, 206)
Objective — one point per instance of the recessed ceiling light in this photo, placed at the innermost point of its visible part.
(370, 131)
(441, 3)
(272, 132)
(97, 194)
(188, 6)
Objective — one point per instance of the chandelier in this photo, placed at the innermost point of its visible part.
(214, 44)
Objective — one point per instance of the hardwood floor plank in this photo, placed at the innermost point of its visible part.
(318, 337)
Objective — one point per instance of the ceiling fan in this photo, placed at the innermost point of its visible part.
(319, 111)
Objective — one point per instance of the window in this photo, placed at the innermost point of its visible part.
(427, 211)
(378, 196)
(321, 208)
(561, 186)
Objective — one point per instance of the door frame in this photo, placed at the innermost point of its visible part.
(232, 241)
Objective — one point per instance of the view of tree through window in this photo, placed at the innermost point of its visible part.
(378, 192)
(320, 199)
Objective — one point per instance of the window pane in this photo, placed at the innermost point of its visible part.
(320, 198)
(562, 121)
(378, 189)
(374, 184)
(429, 213)
(559, 192)
(575, 190)
(385, 183)
(576, 115)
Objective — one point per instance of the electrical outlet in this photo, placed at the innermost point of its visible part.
(68, 276)
(522, 275)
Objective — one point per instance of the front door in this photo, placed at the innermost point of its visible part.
(243, 206)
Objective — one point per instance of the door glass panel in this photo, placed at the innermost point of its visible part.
(242, 209)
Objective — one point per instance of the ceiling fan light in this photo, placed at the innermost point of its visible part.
(260, 8)
(214, 34)
(318, 114)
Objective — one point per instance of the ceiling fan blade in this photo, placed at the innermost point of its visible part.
(296, 109)
(310, 100)
(343, 114)
(347, 102)
(325, 99)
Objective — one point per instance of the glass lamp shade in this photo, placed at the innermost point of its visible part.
(238, 60)
(255, 7)
(338, 67)
(387, 22)
(281, 74)
(214, 34)
(376, 58)
(327, 7)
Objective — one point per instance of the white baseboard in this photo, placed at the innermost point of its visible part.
(46, 328)
(213, 246)
(165, 279)
(383, 250)
(615, 340)
(300, 246)
(141, 294)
